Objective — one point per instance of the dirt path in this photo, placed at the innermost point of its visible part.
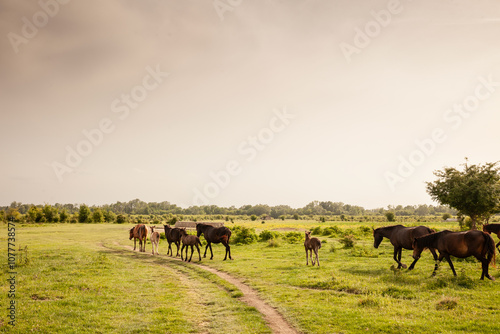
(274, 319)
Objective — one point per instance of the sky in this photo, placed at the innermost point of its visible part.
(234, 102)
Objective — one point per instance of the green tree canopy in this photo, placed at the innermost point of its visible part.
(474, 192)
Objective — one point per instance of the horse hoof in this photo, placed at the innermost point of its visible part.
(404, 266)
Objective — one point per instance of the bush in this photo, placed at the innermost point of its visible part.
(253, 217)
(391, 217)
(348, 241)
(273, 243)
(268, 235)
(316, 230)
(244, 235)
(121, 219)
(332, 230)
(294, 237)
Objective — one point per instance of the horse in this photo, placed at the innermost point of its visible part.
(311, 244)
(401, 237)
(172, 235)
(459, 244)
(215, 235)
(189, 240)
(155, 239)
(140, 231)
(493, 228)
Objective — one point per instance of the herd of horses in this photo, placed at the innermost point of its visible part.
(475, 243)
(178, 235)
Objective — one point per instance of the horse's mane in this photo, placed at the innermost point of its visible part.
(389, 228)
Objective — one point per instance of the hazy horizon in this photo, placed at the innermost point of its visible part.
(244, 102)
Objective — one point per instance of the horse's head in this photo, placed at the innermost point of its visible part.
(417, 249)
(131, 233)
(152, 229)
(308, 234)
(182, 231)
(486, 229)
(377, 238)
(199, 230)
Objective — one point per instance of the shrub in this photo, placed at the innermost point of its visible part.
(294, 237)
(447, 303)
(273, 243)
(348, 241)
(365, 230)
(316, 230)
(244, 235)
(121, 219)
(391, 217)
(268, 235)
(253, 217)
(331, 230)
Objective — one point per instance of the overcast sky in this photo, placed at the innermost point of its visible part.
(234, 102)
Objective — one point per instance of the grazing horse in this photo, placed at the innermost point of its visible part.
(189, 240)
(172, 235)
(311, 244)
(493, 228)
(459, 244)
(155, 239)
(401, 237)
(215, 235)
(140, 232)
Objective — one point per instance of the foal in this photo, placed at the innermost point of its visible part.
(155, 239)
(189, 240)
(312, 244)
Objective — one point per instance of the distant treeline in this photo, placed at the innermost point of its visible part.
(164, 211)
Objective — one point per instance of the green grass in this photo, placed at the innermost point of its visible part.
(82, 278)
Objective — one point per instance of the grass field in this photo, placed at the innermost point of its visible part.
(82, 278)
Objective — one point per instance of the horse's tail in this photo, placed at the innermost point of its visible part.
(489, 248)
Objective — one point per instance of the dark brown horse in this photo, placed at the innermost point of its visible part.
(493, 228)
(140, 232)
(401, 237)
(214, 235)
(172, 235)
(459, 244)
(189, 240)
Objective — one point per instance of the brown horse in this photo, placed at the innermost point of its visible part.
(140, 232)
(401, 237)
(459, 244)
(215, 235)
(172, 235)
(155, 240)
(493, 228)
(189, 240)
(311, 244)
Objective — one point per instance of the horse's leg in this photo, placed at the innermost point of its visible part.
(316, 253)
(396, 253)
(307, 257)
(135, 240)
(436, 266)
(228, 250)
(182, 249)
(192, 250)
(211, 252)
(198, 249)
(447, 257)
(498, 246)
(206, 248)
(178, 244)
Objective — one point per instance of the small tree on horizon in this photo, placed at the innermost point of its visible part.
(474, 192)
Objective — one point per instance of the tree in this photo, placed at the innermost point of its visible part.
(390, 216)
(84, 214)
(97, 216)
(474, 192)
